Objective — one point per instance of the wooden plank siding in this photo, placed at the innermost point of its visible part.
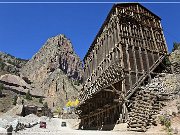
(127, 48)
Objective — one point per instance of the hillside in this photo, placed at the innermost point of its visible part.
(170, 113)
(56, 71)
(10, 64)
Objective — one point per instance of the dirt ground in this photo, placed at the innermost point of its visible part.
(54, 128)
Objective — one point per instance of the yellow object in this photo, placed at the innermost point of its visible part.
(68, 104)
(72, 103)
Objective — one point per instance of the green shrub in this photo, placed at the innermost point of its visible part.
(0, 92)
(41, 100)
(176, 46)
(1, 88)
(28, 95)
(166, 61)
(11, 62)
(45, 105)
(15, 100)
(166, 121)
(2, 65)
(58, 110)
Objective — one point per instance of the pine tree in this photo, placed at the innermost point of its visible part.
(40, 100)
(176, 46)
(1, 88)
(28, 95)
(45, 105)
(15, 100)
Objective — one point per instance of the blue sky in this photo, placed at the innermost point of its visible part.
(24, 28)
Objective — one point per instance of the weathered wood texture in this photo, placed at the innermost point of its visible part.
(128, 48)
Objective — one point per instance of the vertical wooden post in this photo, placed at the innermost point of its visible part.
(154, 40)
(141, 61)
(124, 113)
(129, 67)
(148, 67)
(163, 37)
(120, 48)
(135, 63)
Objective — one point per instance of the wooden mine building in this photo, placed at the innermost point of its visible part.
(127, 52)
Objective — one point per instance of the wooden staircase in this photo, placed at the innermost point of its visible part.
(145, 103)
(143, 77)
(144, 109)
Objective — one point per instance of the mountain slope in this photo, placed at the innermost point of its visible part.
(10, 64)
(54, 70)
(175, 60)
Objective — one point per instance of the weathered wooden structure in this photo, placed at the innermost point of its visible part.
(127, 53)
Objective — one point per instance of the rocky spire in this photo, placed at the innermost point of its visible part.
(53, 66)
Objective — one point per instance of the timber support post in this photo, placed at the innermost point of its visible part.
(126, 54)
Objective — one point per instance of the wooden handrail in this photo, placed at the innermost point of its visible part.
(143, 77)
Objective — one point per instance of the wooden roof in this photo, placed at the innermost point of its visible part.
(107, 19)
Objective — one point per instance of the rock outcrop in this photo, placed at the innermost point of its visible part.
(149, 101)
(175, 60)
(54, 70)
(10, 64)
(18, 85)
(57, 53)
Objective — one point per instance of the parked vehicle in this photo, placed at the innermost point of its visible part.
(63, 124)
(42, 124)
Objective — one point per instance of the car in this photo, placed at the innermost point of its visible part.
(42, 124)
(63, 124)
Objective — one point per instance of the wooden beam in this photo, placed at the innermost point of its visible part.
(114, 89)
(135, 63)
(108, 90)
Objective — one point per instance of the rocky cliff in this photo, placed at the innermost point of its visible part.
(175, 60)
(55, 71)
(10, 64)
(57, 53)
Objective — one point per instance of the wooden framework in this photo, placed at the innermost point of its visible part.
(127, 50)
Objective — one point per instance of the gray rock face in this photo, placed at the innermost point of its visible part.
(10, 64)
(53, 71)
(57, 53)
(175, 60)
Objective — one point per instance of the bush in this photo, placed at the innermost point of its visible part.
(2, 65)
(15, 100)
(176, 46)
(45, 105)
(1, 88)
(166, 121)
(41, 100)
(178, 107)
(76, 82)
(58, 110)
(28, 95)
(167, 61)
(0, 92)
(11, 62)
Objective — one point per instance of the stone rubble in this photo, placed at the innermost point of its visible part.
(149, 100)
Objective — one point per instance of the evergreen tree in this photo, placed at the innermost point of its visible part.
(40, 100)
(1, 88)
(15, 100)
(45, 105)
(28, 95)
(176, 46)
(166, 61)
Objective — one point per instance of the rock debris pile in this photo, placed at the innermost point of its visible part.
(149, 100)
